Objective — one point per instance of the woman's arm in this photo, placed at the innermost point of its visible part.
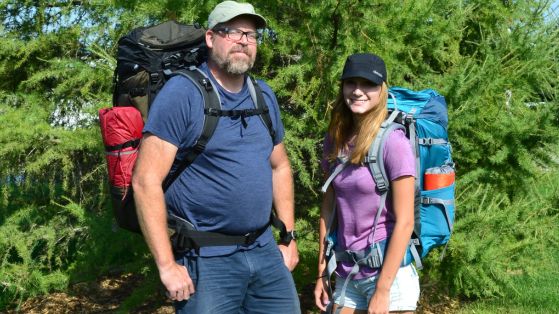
(403, 189)
(326, 210)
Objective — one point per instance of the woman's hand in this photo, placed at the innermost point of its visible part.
(379, 303)
(321, 298)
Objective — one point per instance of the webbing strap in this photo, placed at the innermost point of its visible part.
(431, 141)
(341, 166)
(235, 113)
(415, 254)
(331, 263)
(243, 114)
(132, 143)
(444, 203)
(128, 152)
(352, 273)
(381, 205)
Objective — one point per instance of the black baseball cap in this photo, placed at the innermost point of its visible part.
(365, 65)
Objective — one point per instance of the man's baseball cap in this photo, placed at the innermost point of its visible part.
(228, 10)
(365, 65)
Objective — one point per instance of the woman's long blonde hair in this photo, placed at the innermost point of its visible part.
(343, 127)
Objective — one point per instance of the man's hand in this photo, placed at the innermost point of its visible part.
(177, 281)
(290, 254)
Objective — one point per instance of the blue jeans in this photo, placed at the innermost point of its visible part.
(245, 282)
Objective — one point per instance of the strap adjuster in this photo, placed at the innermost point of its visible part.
(207, 84)
(427, 201)
(370, 159)
(154, 77)
(381, 185)
(199, 147)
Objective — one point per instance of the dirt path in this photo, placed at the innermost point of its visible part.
(107, 293)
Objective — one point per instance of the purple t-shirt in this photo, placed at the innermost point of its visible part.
(357, 199)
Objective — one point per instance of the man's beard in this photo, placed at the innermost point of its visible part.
(231, 65)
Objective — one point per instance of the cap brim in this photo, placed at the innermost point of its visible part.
(359, 73)
(259, 20)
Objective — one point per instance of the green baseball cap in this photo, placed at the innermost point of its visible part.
(228, 10)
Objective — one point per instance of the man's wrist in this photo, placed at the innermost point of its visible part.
(288, 236)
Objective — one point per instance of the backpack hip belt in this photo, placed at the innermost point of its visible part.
(186, 237)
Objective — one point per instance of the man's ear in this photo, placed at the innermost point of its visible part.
(209, 38)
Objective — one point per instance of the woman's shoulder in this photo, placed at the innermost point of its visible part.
(397, 144)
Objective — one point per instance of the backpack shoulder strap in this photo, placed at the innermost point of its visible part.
(374, 156)
(259, 103)
(211, 101)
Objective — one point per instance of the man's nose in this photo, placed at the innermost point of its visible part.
(243, 39)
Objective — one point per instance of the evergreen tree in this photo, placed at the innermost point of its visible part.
(494, 60)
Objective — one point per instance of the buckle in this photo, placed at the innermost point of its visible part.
(212, 111)
(373, 260)
(353, 256)
(250, 237)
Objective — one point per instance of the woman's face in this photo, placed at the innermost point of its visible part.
(361, 95)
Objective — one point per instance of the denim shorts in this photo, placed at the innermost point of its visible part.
(404, 292)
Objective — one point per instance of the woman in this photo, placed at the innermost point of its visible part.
(358, 113)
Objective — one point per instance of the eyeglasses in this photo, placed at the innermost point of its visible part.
(237, 34)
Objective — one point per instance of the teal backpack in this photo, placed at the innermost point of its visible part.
(424, 118)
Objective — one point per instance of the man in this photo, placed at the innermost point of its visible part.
(229, 188)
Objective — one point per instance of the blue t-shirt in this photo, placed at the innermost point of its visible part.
(228, 188)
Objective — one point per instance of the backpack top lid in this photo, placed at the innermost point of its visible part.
(424, 104)
(148, 47)
(168, 35)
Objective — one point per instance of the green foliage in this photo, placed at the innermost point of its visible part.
(34, 254)
(495, 61)
(497, 238)
(530, 294)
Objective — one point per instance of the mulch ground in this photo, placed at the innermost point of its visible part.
(107, 293)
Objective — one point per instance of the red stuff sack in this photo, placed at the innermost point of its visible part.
(121, 129)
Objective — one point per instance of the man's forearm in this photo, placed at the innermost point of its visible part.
(152, 215)
(283, 194)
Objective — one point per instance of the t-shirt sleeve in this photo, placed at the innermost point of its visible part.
(275, 115)
(399, 159)
(171, 114)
